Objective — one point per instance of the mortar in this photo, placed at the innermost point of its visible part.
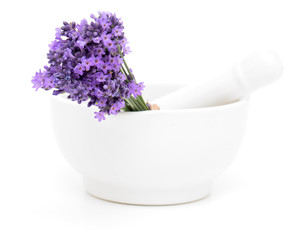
(150, 158)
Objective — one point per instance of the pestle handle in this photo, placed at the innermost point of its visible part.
(246, 76)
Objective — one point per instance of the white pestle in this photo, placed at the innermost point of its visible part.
(255, 71)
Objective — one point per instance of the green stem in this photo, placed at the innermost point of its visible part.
(140, 98)
(131, 106)
(137, 104)
(129, 72)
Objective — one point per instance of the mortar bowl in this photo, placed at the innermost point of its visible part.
(160, 157)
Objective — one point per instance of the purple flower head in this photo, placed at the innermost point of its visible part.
(58, 33)
(82, 24)
(96, 61)
(103, 21)
(123, 42)
(94, 17)
(109, 44)
(136, 89)
(98, 93)
(127, 50)
(38, 80)
(84, 63)
(117, 31)
(114, 109)
(105, 37)
(101, 102)
(80, 44)
(96, 39)
(100, 77)
(79, 69)
(99, 51)
(73, 34)
(48, 83)
(105, 67)
(100, 116)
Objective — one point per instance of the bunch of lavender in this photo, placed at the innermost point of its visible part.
(86, 61)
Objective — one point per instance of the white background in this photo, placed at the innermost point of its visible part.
(259, 197)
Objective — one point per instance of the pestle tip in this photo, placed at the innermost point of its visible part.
(258, 70)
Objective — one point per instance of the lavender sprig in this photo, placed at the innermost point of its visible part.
(86, 61)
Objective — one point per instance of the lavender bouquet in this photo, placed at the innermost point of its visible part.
(86, 61)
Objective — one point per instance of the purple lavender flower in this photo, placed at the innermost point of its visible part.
(99, 52)
(37, 80)
(117, 31)
(114, 109)
(109, 44)
(96, 61)
(136, 89)
(86, 62)
(100, 116)
(101, 102)
(127, 50)
(79, 69)
(101, 77)
(105, 37)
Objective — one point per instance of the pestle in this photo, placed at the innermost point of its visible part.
(253, 72)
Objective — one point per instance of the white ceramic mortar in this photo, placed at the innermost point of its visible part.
(153, 157)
